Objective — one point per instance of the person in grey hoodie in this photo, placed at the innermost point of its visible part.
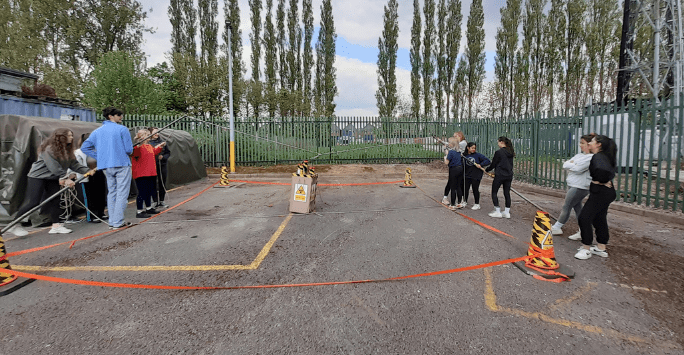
(48, 174)
(578, 181)
(502, 164)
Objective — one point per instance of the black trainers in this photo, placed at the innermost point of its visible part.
(124, 225)
(143, 215)
(151, 211)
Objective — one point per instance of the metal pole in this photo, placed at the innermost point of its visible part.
(656, 51)
(230, 100)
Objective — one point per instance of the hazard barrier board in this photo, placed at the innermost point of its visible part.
(303, 194)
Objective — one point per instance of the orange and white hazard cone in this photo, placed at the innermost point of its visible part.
(225, 182)
(543, 264)
(4, 265)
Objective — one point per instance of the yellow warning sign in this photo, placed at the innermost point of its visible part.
(300, 192)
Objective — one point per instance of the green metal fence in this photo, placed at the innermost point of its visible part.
(649, 139)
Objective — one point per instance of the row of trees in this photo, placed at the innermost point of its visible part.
(550, 54)
(294, 81)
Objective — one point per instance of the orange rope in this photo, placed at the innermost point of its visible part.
(288, 184)
(163, 287)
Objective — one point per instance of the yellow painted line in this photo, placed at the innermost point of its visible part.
(252, 266)
(267, 247)
(575, 295)
(490, 301)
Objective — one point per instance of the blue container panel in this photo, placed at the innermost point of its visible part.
(17, 106)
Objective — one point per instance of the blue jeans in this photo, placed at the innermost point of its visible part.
(573, 201)
(119, 185)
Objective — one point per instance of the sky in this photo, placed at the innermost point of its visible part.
(358, 24)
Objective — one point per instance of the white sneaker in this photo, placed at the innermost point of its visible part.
(496, 214)
(162, 204)
(576, 236)
(596, 251)
(445, 201)
(505, 214)
(464, 203)
(583, 254)
(556, 231)
(60, 229)
(475, 207)
(18, 230)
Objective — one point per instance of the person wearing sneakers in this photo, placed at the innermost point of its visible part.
(111, 146)
(453, 159)
(578, 186)
(459, 145)
(145, 172)
(474, 163)
(601, 195)
(162, 171)
(48, 174)
(502, 164)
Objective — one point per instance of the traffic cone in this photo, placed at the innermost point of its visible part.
(225, 182)
(543, 265)
(408, 180)
(4, 265)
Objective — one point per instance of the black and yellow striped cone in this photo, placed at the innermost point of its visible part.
(4, 265)
(408, 180)
(225, 182)
(541, 242)
(543, 264)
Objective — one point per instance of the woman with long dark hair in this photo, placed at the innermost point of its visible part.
(601, 195)
(48, 174)
(502, 164)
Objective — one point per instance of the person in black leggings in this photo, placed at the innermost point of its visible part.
(474, 167)
(455, 174)
(601, 195)
(502, 164)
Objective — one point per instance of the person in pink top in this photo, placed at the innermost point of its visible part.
(145, 172)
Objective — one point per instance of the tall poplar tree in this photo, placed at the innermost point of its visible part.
(474, 53)
(416, 61)
(574, 54)
(307, 56)
(386, 95)
(209, 101)
(453, 44)
(439, 53)
(506, 49)
(555, 45)
(536, 23)
(428, 69)
(255, 95)
(282, 44)
(232, 24)
(325, 61)
(271, 61)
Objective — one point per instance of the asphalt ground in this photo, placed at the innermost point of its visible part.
(245, 236)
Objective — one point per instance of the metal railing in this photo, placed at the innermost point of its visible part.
(649, 140)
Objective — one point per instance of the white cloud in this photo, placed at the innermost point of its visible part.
(357, 83)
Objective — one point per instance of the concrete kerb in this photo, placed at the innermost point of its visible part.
(660, 215)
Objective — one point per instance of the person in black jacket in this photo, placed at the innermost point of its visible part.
(162, 171)
(474, 163)
(502, 164)
(601, 195)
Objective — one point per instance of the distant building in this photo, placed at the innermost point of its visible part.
(14, 102)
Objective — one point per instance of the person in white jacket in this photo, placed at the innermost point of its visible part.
(578, 181)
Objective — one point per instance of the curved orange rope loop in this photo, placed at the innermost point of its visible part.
(163, 287)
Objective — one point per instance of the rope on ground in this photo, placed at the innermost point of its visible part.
(163, 287)
(288, 184)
